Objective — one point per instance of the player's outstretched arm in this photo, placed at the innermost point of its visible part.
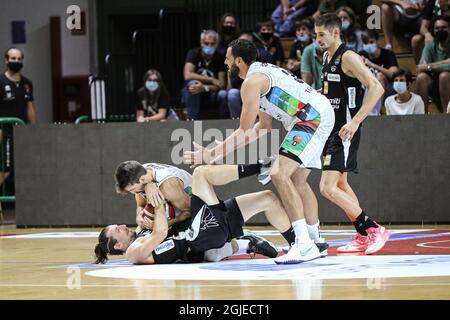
(174, 193)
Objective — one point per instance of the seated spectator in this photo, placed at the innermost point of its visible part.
(153, 99)
(311, 67)
(303, 30)
(404, 102)
(400, 12)
(266, 39)
(205, 76)
(382, 62)
(327, 6)
(433, 72)
(228, 31)
(288, 11)
(432, 9)
(351, 34)
(235, 83)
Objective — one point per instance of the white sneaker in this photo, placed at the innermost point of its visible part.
(264, 175)
(299, 252)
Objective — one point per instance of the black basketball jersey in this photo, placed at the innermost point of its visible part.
(173, 248)
(344, 92)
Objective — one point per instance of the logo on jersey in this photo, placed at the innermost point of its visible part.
(327, 160)
(165, 246)
(351, 97)
(335, 102)
(333, 68)
(334, 77)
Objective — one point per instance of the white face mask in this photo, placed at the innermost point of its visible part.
(303, 38)
(152, 85)
(400, 87)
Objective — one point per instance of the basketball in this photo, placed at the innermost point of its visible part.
(169, 209)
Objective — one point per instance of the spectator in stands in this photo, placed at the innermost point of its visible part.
(153, 99)
(433, 72)
(311, 66)
(228, 31)
(401, 12)
(382, 62)
(433, 9)
(351, 33)
(16, 100)
(266, 39)
(234, 83)
(303, 31)
(205, 76)
(288, 11)
(358, 6)
(404, 102)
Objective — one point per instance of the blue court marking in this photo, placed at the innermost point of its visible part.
(109, 264)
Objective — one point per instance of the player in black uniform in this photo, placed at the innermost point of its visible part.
(213, 225)
(343, 76)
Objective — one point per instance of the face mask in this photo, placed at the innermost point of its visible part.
(370, 48)
(266, 35)
(229, 30)
(400, 87)
(316, 45)
(441, 35)
(208, 51)
(15, 66)
(303, 38)
(345, 25)
(151, 85)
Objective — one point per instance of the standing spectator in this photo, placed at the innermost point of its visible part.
(303, 31)
(16, 100)
(228, 31)
(381, 62)
(288, 11)
(153, 99)
(235, 83)
(433, 72)
(404, 102)
(400, 12)
(205, 76)
(270, 42)
(351, 34)
(311, 67)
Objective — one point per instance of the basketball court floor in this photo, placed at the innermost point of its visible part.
(57, 264)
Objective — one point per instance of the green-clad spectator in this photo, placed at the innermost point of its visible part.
(311, 67)
(433, 72)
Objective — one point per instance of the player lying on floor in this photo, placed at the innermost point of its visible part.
(212, 226)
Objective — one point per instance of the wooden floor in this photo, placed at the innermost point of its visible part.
(25, 274)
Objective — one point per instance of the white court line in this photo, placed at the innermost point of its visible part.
(424, 244)
(225, 285)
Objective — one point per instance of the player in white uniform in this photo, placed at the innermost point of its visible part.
(272, 92)
(154, 183)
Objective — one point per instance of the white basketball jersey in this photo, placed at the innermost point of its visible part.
(287, 95)
(162, 172)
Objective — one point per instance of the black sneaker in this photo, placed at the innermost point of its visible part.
(260, 245)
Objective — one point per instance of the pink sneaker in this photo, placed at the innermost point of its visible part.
(359, 244)
(377, 239)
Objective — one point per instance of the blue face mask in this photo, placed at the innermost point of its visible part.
(152, 86)
(303, 38)
(400, 87)
(316, 45)
(208, 51)
(345, 25)
(370, 48)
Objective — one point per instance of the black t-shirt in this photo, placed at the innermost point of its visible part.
(386, 59)
(432, 9)
(297, 46)
(150, 107)
(14, 97)
(203, 67)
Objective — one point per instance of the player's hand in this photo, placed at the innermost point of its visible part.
(196, 88)
(197, 157)
(154, 195)
(348, 130)
(147, 223)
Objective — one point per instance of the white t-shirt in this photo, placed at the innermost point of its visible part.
(413, 106)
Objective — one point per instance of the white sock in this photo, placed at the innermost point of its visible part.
(313, 231)
(300, 230)
(243, 244)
